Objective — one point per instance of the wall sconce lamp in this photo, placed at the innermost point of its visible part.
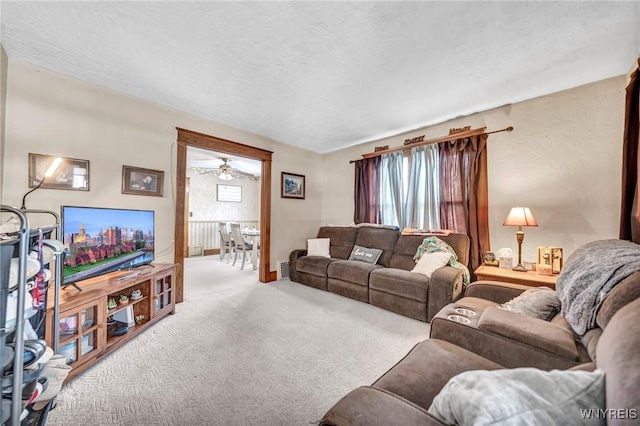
(520, 216)
(50, 171)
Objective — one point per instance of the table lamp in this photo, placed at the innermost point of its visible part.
(520, 216)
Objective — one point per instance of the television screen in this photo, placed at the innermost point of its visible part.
(101, 240)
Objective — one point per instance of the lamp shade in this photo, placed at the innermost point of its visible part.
(520, 216)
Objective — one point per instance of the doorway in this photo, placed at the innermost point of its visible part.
(188, 138)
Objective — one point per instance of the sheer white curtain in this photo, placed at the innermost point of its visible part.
(391, 189)
(422, 208)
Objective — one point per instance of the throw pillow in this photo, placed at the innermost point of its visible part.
(364, 254)
(318, 247)
(539, 302)
(520, 396)
(429, 262)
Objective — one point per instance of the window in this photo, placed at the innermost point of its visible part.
(409, 188)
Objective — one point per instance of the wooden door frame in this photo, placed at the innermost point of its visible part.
(188, 138)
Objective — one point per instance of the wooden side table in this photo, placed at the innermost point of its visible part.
(530, 278)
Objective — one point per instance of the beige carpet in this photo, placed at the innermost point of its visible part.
(239, 352)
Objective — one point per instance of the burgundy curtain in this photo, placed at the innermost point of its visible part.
(367, 190)
(630, 212)
(464, 201)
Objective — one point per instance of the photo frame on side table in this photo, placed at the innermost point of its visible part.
(139, 181)
(71, 173)
(292, 185)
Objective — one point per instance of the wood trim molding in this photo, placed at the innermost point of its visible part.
(190, 138)
(201, 140)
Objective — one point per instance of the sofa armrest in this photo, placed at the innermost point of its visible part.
(368, 406)
(498, 292)
(445, 287)
(293, 258)
(530, 331)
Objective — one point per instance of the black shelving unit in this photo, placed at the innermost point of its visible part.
(12, 246)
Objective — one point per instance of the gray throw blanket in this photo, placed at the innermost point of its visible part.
(588, 276)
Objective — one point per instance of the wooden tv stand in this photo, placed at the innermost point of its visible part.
(85, 336)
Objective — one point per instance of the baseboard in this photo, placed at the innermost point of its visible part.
(273, 276)
(210, 252)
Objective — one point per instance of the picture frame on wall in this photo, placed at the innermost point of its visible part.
(70, 174)
(229, 193)
(140, 181)
(292, 185)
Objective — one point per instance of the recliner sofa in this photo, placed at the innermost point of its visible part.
(454, 368)
(404, 394)
(388, 284)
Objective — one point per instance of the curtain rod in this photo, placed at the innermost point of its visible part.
(448, 138)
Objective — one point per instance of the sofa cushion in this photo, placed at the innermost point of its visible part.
(530, 331)
(617, 355)
(429, 262)
(400, 283)
(538, 302)
(365, 254)
(404, 251)
(367, 406)
(424, 371)
(475, 303)
(625, 292)
(318, 247)
(380, 238)
(314, 265)
(351, 271)
(519, 396)
(342, 239)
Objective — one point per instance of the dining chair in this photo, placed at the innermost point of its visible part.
(239, 244)
(226, 241)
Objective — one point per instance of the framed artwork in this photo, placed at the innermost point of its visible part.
(231, 193)
(292, 185)
(139, 181)
(551, 256)
(70, 173)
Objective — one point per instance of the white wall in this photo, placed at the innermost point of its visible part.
(48, 113)
(563, 160)
(204, 204)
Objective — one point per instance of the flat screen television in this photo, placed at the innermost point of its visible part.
(99, 240)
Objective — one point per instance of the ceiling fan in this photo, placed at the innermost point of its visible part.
(226, 172)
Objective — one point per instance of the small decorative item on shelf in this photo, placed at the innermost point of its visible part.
(490, 259)
(136, 294)
(139, 319)
(123, 299)
(505, 258)
(111, 303)
(551, 256)
(544, 269)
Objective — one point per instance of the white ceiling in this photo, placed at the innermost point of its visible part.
(326, 75)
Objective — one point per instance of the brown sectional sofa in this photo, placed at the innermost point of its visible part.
(403, 395)
(388, 284)
(515, 340)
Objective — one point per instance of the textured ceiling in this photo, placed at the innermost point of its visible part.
(325, 75)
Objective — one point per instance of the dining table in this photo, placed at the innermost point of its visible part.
(254, 236)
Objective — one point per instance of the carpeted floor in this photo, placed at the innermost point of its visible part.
(239, 352)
